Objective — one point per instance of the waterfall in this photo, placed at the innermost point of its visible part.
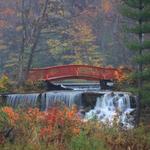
(113, 106)
(109, 106)
(68, 98)
(22, 100)
(46, 100)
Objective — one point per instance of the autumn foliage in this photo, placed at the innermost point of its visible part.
(12, 115)
(52, 126)
(5, 85)
(62, 129)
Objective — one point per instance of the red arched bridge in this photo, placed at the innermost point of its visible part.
(86, 72)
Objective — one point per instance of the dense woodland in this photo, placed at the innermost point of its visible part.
(39, 33)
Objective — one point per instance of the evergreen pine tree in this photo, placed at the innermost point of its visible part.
(139, 12)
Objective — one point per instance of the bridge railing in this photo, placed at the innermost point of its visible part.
(75, 72)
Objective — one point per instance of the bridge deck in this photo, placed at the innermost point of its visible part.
(75, 72)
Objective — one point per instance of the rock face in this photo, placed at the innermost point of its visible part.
(2, 100)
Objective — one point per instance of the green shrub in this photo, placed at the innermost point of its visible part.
(85, 142)
(4, 84)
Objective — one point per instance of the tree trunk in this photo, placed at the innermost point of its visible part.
(37, 32)
(21, 55)
(31, 55)
(140, 68)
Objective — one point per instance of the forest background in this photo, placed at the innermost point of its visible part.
(39, 33)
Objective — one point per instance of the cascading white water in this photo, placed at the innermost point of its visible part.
(22, 100)
(69, 98)
(111, 107)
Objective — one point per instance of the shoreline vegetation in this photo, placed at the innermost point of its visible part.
(60, 128)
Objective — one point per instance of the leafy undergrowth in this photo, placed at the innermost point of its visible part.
(4, 84)
(62, 129)
(9, 86)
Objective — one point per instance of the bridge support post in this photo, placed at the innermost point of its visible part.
(104, 84)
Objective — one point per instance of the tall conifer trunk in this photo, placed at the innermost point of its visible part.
(140, 66)
(138, 11)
